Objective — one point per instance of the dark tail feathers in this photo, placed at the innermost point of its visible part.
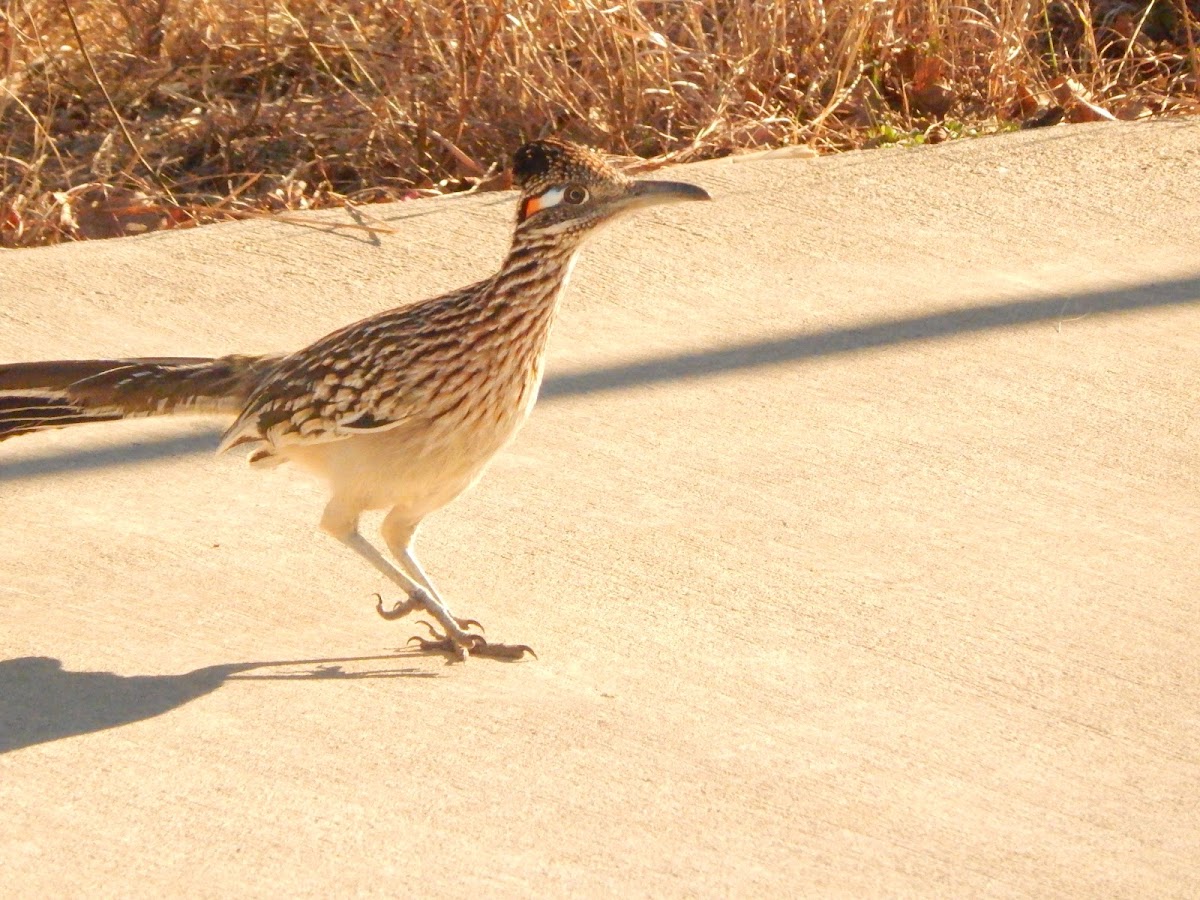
(41, 395)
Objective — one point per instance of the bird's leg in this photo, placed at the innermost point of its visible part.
(343, 525)
(452, 640)
(456, 639)
(398, 533)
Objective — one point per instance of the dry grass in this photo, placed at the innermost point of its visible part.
(238, 107)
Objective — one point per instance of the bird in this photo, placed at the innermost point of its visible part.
(401, 411)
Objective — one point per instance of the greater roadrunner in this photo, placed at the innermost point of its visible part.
(401, 411)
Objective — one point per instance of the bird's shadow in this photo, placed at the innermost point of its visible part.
(41, 701)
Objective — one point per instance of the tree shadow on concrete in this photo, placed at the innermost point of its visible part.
(136, 452)
(41, 701)
(704, 363)
(365, 227)
(876, 336)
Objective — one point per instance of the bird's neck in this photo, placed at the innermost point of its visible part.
(513, 321)
(532, 279)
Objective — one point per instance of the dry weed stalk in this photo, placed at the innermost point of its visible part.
(292, 104)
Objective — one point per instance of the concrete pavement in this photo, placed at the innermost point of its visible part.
(856, 532)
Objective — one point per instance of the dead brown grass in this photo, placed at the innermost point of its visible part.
(238, 106)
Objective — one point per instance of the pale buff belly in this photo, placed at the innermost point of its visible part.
(419, 466)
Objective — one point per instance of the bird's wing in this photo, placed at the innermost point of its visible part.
(315, 398)
(370, 376)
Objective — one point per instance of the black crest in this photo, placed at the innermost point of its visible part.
(534, 161)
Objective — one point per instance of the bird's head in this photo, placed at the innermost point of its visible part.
(570, 190)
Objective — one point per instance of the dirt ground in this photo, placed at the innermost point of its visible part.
(856, 533)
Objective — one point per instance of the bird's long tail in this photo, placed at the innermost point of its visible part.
(41, 395)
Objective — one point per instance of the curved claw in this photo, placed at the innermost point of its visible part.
(445, 645)
(516, 651)
(433, 632)
(513, 652)
(464, 624)
(434, 641)
(396, 612)
(475, 646)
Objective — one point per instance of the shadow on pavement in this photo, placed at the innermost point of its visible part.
(703, 363)
(54, 462)
(40, 701)
(874, 336)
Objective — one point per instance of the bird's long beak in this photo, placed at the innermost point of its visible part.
(654, 193)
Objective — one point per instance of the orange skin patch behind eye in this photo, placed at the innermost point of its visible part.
(532, 205)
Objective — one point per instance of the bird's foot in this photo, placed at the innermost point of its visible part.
(399, 609)
(404, 607)
(462, 644)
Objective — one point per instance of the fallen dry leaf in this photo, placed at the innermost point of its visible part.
(1025, 102)
(102, 211)
(1086, 111)
(1078, 102)
(1132, 109)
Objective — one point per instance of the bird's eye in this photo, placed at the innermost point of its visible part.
(576, 194)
